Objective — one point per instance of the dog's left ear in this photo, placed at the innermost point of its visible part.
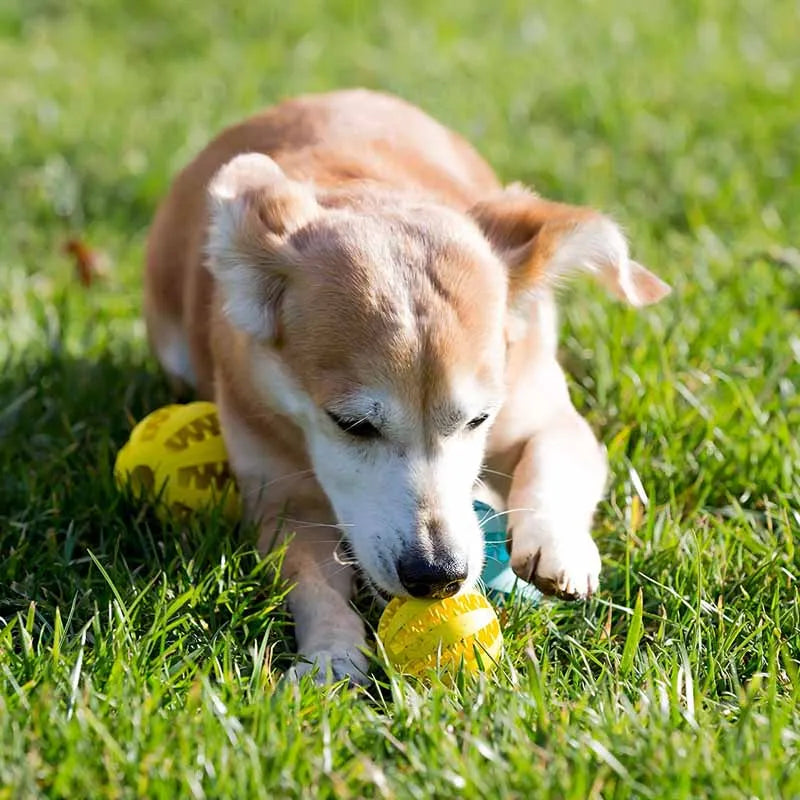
(254, 210)
(541, 241)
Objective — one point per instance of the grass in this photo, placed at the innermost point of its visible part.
(141, 661)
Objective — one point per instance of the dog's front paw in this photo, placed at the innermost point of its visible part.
(330, 666)
(567, 566)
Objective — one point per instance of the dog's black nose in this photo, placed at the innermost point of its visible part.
(423, 577)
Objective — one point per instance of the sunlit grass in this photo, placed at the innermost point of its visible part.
(141, 661)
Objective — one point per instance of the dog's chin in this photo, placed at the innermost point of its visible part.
(364, 578)
(368, 584)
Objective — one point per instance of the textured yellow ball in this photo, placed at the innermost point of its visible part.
(177, 453)
(422, 634)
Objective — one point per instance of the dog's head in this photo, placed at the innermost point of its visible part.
(381, 329)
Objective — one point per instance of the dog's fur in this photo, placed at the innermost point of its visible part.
(346, 255)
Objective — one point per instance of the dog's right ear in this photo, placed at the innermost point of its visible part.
(541, 242)
(254, 209)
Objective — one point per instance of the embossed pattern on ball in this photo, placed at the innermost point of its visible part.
(177, 454)
(419, 635)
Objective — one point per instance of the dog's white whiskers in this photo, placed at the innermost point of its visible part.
(498, 514)
(258, 490)
(345, 562)
(307, 523)
(340, 566)
(496, 472)
(327, 541)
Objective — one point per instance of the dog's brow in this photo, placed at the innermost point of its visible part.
(358, 407)
(448, 419)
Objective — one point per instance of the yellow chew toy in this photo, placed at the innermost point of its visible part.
(177, 453)
(422, 634)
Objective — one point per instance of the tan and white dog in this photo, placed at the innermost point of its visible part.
(374, 315)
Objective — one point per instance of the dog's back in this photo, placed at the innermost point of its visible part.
(347, 138)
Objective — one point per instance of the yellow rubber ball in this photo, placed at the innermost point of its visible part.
(177, 454)
(419, 635)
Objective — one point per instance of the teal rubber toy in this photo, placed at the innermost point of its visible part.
(497, 576)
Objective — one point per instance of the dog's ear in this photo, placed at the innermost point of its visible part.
(254, 208)
(542, 242)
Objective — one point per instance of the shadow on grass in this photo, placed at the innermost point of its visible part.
(70, 540)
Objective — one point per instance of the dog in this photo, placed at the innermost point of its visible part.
(374, 315)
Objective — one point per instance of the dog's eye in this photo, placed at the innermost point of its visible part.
(360, 428)
(477, 422)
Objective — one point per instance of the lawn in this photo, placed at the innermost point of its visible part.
(144, 661)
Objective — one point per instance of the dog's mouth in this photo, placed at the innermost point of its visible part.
(345, 555)
(374, 588)
(367, 584)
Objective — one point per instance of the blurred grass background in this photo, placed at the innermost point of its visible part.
(139, 662)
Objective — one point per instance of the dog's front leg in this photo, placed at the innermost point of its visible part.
(330, 634)
(555, 487)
